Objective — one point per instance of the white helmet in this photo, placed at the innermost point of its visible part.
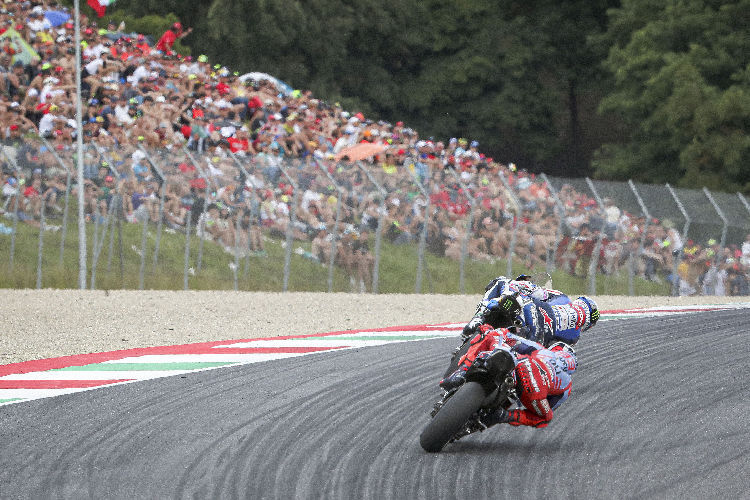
(562, 346)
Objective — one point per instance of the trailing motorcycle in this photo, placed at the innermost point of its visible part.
(489, 385)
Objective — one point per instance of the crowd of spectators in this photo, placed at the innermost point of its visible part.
(241, 159)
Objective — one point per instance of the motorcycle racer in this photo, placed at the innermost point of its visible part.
(543, 376)
(544, 380)
(540, 314)
(524, 285)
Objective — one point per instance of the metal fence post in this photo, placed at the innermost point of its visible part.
(334, 235)
(68, 180)
(558, 232)
(290, 227)
(594, 264)
(631, 284)
(99, 243)
(678, 259)
(423, 236)
(162, 195)
(469, 226)
(379, 230)
(186, 265)
(118, 218)
(237, 228)
(42, 224)
(15, 226)
(15, 208)
(142, 272)
(201, 222)
(722, 217)
(516, 218)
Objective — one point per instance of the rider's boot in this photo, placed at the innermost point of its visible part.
(454, 380)
(500, 416)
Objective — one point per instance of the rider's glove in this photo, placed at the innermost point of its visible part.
(499, 312)
(483, 329)
(471, 328)
(502, 311)
(507, 338)
(508, 304)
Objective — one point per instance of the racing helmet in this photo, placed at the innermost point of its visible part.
(523, 277)
(563, 346)
(494, 281)
(593, 311)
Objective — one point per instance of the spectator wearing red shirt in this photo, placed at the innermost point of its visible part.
(143, 45)
(240, 142)
(440, 198)
(170, 36)
(31, 191)
(32, 199)
(254, 103)
(222, 87)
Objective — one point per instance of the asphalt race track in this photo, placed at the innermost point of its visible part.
(659, 409)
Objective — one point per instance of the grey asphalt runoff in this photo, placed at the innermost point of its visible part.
(659, 409)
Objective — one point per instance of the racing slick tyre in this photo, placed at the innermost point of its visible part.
(452, 417)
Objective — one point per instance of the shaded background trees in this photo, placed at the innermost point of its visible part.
(681, 74)
(654, 91)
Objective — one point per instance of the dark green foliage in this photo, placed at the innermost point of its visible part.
(681, 84)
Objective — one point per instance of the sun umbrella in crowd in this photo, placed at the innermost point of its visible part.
(361, 151)
(56, 17)
(23, 51)
(281, 86)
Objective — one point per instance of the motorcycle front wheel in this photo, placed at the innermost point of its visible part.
(452, 417)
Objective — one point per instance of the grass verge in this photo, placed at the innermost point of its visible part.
(119, 266)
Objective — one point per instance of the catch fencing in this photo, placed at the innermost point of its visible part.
(187, 219)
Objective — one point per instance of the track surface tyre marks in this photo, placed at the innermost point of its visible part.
(659, 409)
(452, 417)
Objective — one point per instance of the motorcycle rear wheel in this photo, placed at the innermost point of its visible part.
(452, 417)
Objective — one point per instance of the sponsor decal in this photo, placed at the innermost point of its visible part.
(529, 375)
(543, 372)
(535, 404)
(570, 361)
(547, 320)
(545, 406)
(567, 317)
(580, 315)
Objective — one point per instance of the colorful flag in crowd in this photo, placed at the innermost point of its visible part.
(100, 6)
